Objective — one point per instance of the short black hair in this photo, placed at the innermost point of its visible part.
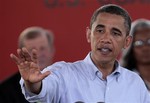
(113, 9)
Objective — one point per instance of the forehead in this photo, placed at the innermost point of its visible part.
(142, 30)
(142, 34)
(110, 20)
(39, 40)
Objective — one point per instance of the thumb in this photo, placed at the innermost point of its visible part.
(45, 74)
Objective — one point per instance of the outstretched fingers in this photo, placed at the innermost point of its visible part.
(15, 59)
(20, 55)
(37, 72)
(36, 67)
(26, 54)
(34, 56)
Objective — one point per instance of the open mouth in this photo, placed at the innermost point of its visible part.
(105, 50)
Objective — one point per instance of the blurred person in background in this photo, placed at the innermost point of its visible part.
(32, 38)
(137, 57)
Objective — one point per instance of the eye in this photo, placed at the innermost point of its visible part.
(100, 30)
(115, 33)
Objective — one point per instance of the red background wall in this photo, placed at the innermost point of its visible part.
(68, 20)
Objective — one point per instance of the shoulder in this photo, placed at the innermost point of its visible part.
(131, 79)
(12, 81)
(130, 75)
(63, 66)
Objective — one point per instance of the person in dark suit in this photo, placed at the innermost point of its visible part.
(32, 38)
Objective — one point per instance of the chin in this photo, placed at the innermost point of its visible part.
(105, 61)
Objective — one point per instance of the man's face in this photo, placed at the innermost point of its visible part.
(142, 52)
(107, 37)
(45, 52)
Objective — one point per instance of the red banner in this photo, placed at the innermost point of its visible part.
(68, 20)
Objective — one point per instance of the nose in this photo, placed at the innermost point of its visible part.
(105, 38)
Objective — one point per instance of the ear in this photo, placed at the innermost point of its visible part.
(128, 41)
(88, 34)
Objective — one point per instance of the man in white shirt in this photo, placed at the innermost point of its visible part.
(98, 78)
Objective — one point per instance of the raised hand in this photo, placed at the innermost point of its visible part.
(28, 67)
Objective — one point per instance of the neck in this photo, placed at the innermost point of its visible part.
(106, 68)
(144, 71)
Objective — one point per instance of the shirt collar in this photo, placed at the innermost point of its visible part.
(91, 70)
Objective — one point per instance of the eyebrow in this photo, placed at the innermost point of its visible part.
(117, 30)
(100, 26)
